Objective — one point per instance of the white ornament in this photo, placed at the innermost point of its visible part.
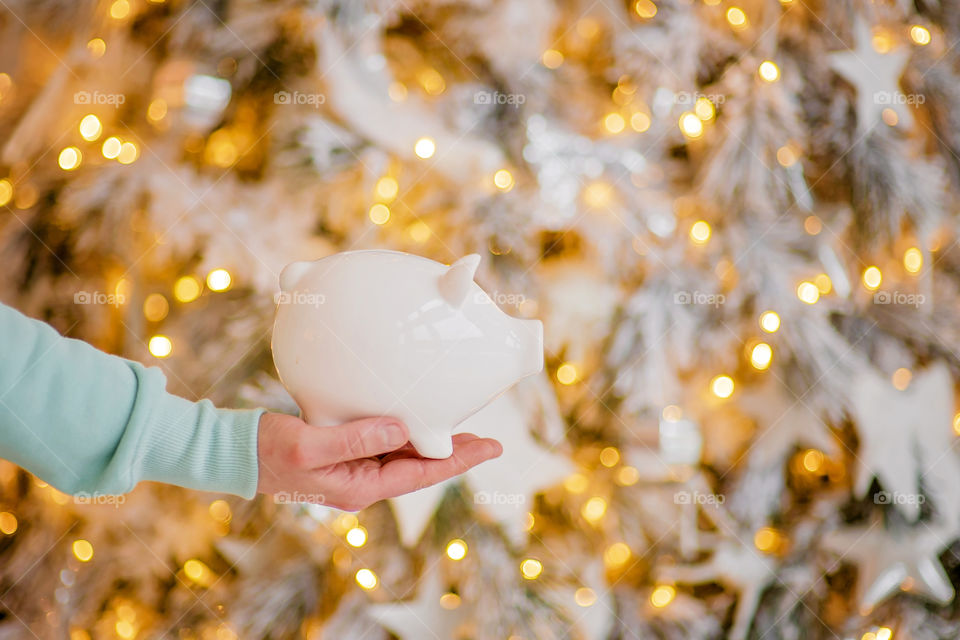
(503, 487)
(888, 561)
(423, 617)
(876, 77)
(385, 333)
(907, 437)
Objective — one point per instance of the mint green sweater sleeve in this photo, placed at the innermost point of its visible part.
(88, 422)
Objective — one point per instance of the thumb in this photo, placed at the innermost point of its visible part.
(322, 446)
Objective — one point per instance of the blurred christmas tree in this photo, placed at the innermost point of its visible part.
(731, 216)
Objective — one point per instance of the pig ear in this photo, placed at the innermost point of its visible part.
(292, 273)
(456, 280)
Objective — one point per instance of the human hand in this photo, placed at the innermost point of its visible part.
(353, 465)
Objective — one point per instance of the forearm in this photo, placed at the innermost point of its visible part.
(85, 421)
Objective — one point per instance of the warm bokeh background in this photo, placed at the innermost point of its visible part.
(735, 218)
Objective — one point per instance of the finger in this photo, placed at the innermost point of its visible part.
(409, 451)
(322, 446)
(404, 475)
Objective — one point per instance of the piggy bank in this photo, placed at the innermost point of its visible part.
(385, 333)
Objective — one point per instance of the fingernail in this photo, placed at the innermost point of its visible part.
(394, 434)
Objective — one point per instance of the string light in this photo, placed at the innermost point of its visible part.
(567, 373)
(8, 523)
(889, 117)
(155, 307)
(6, 192)
(594, 509)
(128, 153)
(767, 539)
(616, 555)
(769, 321)
(125, 629)
(219, 280)
(761, 355)
(824, 284)
(920, 35)
(160, 346)
(220, 511)
(157, 110)
(357, 537)
(551, 59)
(691, 125)
(737, 18)
(597, 195)
(884, 633)
(82, 550)
(69, 159)
(614, 122)
(786, 156)
(97, 47)
(186, 289)
(366, 579)
(387, 188)
(456, 549)
(197, 571)
(722, 386)
(449, 601)
(111, 147)
(120, 9)
(768, 71)
(425, 148)
(882, 41)
(704, 109)
(585, 596)
(808, 292)
(379, 213)
(872, 278)
(813, 460)
(503, 180)
(609, 457)
(576, 483)
(700, 232)
(431, 81)
(640, 122)
(419, 231)
(628, 476)
(671, 413)
(90, 127)
(812, 225)
(531, 568)
(913, 260)
(901, 378)
(662, 595)
(956, 424)
(645, 9)
(397, 91)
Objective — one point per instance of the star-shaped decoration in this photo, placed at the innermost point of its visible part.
(503, 487)
(889, 561)
(876, 77)
(423, 618)
(907, 437)
(737, 564)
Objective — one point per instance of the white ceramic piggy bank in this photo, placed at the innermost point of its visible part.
(385, 333)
